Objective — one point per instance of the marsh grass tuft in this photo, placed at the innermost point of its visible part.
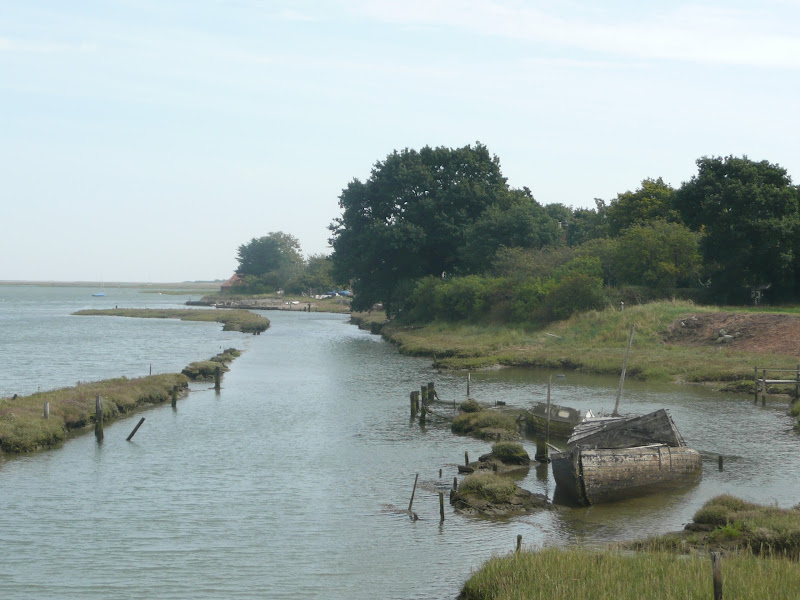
(488, 486)
(486, 424)
(510, 453)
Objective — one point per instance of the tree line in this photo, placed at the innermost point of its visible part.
(439, 233)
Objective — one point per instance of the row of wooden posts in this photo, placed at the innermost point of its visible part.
(421, 399)
(98, 409)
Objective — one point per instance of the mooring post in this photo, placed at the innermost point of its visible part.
(541, 449)
(98, 418)
(151, 368)
(424, 394)
(441, 507)
(431, 392)
(422, 414)
(174, 396)
(519, 542)
(468, 378)
(46, 410)
(135, 429)
(719, 462)
(413, 491)
(455, 484)
(466, 458)
(413, 406)
(217, 371)
(440, 473)
(755, 384)
(764, 389)
(716, 567)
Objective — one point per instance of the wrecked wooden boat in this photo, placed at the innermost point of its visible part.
(563, 419)
(611, 459)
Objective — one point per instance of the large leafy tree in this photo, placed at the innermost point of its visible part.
(749, 214)
(270, 261)
(653, 200)
(411, 218)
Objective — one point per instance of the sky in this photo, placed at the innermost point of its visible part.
(146, 140)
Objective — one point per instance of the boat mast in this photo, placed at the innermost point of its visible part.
(622, 376)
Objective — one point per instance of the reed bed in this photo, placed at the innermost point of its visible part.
(231, 319)
(567, 574)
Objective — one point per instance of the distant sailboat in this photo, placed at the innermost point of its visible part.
(101, 292)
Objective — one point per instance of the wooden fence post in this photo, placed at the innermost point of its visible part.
(764, 390)
(755, 384)
(519, 542)
(716, 566)
(46, 410)
(98, 418)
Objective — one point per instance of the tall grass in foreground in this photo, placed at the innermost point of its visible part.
(556, 574)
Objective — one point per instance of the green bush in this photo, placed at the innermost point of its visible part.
(470, 406)
(510, 453)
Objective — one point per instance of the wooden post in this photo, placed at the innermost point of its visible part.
(441, 507)
(547, 429)
(174, 396)
(624, 369)
(440, 473)
(797, 385)
(719, 462)
(764, 389)
(455, 484)
(413, 492)
(413, 406)
(755, 384)
(98, 418)
(466, 458)
(217, 377)
(468, 378)
(424, 394)
(519, 542)
(716, 567)
(423, 414)
(151, 368)
(541, 449)
(135, 429)
(47, 410)
(431, 392)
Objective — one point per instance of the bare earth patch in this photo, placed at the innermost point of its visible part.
(757, 332)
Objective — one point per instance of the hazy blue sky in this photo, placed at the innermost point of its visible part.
(145, 140)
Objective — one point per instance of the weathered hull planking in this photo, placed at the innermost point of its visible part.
(591, 476)
(562, 420)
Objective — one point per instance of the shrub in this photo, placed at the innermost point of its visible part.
(510, 453)
(488, 486)
(470, 406)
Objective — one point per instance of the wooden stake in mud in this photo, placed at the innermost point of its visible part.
(716, 566)
(46, 410)
(431, 392)
(755, 384)
(216, 378)
(519, 542)
(413, 491)
(466, 458)
(441, 507)
(424, 394)
(98, 418)
(764, 389)
(135, 429)
(174, 396)
(413, 405)
(719, 462)
(455, 484)
(624, 369)
(468, 378)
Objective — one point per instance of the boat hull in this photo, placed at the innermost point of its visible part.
(591, 476)
(562, 420)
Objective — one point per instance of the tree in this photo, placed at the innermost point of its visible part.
(315, 277)
(653, 200)
(588, 224)
(410, 219)
(270, 261)
(658, 255)
(749, 213)
(524, 224)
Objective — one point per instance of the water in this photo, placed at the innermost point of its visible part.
(292, 481)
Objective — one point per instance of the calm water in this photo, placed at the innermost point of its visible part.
(290, 483)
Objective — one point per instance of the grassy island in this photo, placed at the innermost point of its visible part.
(232, 320)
